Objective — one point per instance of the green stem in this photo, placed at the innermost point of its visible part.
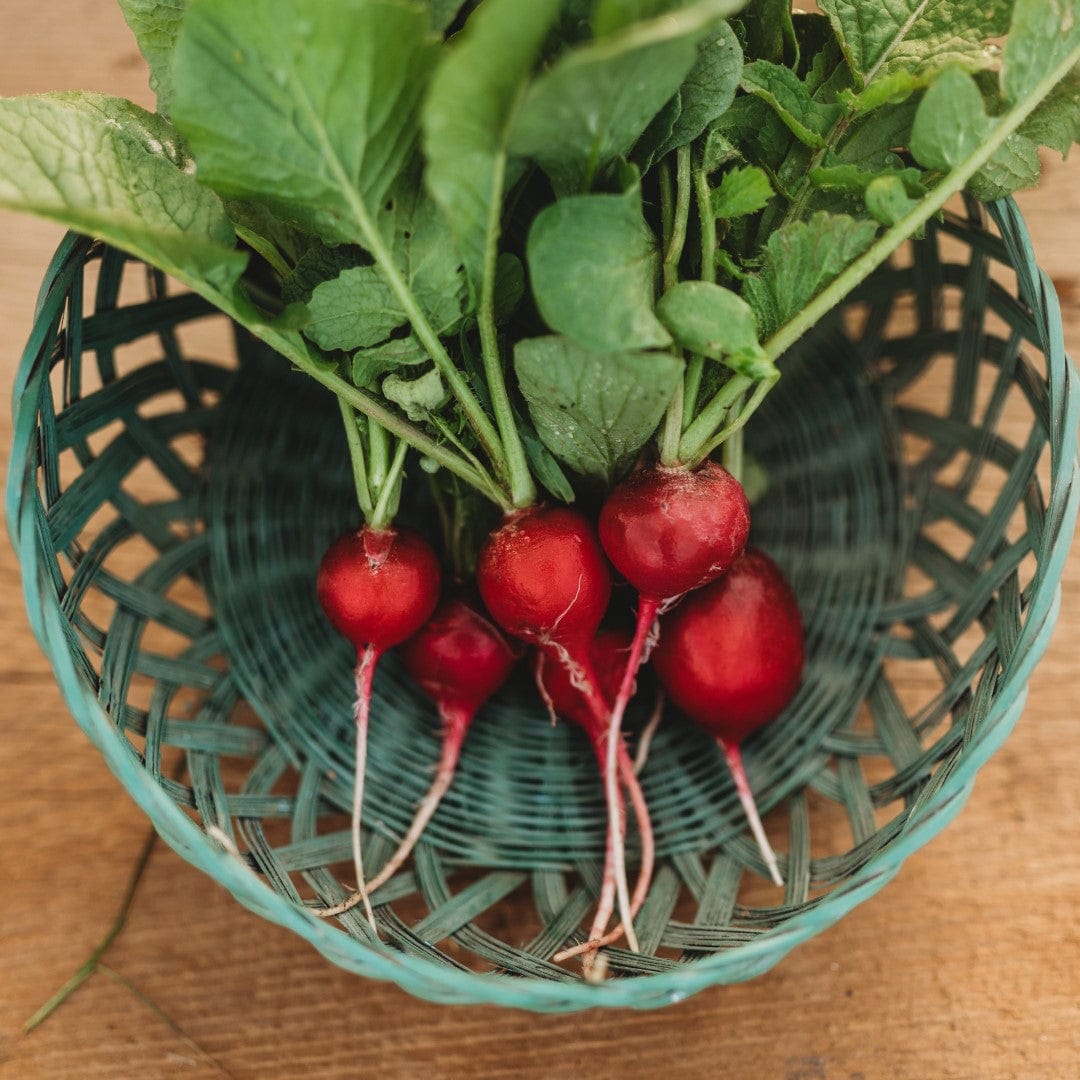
(667, 205)
(673, 418)
(418, 439)
(356, 456)
(733, 454)
(387, 505)
(518, 475)
(721, 437)
(674, 251)
(712, 416)
(379, 444)
(706, 225)
(695, 367)
(672, 431)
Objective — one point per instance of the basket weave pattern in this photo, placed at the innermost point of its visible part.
(167, 512)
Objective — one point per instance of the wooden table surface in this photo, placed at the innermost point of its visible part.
(967, 965)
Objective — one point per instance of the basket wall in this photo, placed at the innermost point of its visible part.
(944, 538)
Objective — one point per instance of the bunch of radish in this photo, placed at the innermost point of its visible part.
(717, 619)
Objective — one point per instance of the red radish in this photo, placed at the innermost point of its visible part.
(608, 654)
(459, 659)
(731, 656)
(544, 579)
(668, 531)
(377, 587)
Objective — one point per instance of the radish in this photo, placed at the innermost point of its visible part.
(731, 656)
(459, 659)
(668, 531)
(608, 655)
(544, 579)
(377, 588)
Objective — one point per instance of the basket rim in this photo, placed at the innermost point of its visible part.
(419, 976)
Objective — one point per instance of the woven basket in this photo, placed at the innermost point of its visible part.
(169, 511)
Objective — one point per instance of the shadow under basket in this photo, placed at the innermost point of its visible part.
(169, 512)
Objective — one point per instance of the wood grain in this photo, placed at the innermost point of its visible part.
(965, 966)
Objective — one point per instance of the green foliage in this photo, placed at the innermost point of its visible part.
(592, 410)
(592, 264)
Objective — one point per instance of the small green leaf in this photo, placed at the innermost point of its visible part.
(369, 364)
(311, 108)
(543, 464)
(742, 191)
(594, 411)
(595, 101)
(156, 26)
(107, 168)
(757, 131)
(711, 321)
(951, 123)
(917, 36)
(318, 264)
(799, 260)
(708, 89)
(780, 87)
(1014, 166)
(888, 90)
(352, 310)
(592, 265)
(887, 199)
(718, 151)
(417, 397)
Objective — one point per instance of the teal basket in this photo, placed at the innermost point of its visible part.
(172, 487)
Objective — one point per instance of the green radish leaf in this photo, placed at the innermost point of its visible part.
(870, 144)
(320, 263)
(592, 265)
(756, 130)
(887, 199)
(468, 115)
(416, 397)
(951, 123)
(708, 89)
(799, 260)
(1056, 122)
(543, 463)
(444, 12)
(355, 307)
(595, 101)
(742, 191)
(808, 120)
(890, 89)
(107, 168)
(917, 36)
(770, 32)
(1014, 166)
(852, 180)
(367, 365)
(156, 26)
(284, 118)
(718, 151)
(352, 310)
(1043, 33)
(711, 321)
(613, 15)
(594, 411)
